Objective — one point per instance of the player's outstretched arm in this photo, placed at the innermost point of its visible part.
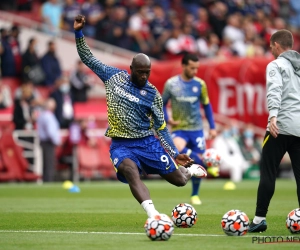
(103, 71)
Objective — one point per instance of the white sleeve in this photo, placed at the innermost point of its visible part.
(274, 89)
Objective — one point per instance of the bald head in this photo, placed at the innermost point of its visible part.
(140, 60)
(140, 69)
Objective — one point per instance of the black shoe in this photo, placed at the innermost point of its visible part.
(261, 227)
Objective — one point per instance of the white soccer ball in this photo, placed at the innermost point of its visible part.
(235, 223)
(184, 215)
(159, 227)
(293, 221)
(211, 158)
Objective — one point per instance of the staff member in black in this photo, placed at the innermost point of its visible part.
(283, 130)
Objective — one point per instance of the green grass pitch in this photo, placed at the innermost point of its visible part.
(104, 215)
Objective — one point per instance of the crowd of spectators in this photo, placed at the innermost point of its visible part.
(163, 29)
(167, 28)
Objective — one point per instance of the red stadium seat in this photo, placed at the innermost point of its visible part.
(106, 167)
(95, 161)
(15, 166)
(88, 161)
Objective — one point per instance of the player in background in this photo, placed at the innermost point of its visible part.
(186, 92)
(135, 109)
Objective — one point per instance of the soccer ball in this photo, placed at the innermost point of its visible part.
(184, 215)
(235, 223)
(159, 227)
(293, 221)
(211, 158)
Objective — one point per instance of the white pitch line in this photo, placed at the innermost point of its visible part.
(122, 233)
(114, 233)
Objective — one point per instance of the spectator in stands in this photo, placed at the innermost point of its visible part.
(5, 96)
(202, 25)
(62, 95)
(181, 42)
(26, 104)
(139, 30)
(114, 28)
(217, 17)
(11, 58)
(234, 32)
(93, 13)
(70, 10)
(49, 134)
(132, 6)
(80, 83)
(225, 51)
(233, 160)
(51, 16)
(160, 27)
(31, 68)
(50, 65)
(209, 46)
(192, 6)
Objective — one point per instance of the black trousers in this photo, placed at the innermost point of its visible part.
(48, 149)
(272, 153)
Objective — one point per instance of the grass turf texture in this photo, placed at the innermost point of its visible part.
(104, 215)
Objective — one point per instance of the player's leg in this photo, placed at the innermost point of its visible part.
(196, 147)
(272, 153)
(180, 176)
(128, 170)
(141, 193)
(181, 144)
(294, 153)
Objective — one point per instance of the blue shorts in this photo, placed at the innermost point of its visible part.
(195, 139)
(147, 153)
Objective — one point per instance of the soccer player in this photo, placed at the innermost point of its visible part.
(186, 92)
(135, 109)
(283, 130)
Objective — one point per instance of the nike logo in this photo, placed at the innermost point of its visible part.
(168, 167)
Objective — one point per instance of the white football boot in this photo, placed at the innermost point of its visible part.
(197, 171)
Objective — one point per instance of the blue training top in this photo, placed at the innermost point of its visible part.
(133, 112)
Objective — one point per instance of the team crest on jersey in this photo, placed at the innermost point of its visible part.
(195, 89)
(143, 92)
(272, 73)
(116, 161)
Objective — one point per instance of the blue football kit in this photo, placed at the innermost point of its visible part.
(135, 116)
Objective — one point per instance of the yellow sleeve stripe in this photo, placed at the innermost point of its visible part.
(176, 165)
(265, 140)
(162, 126)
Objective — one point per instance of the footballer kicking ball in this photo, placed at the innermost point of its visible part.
(159, 227)
(235, 223)
(293, 221)
(184, 215)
